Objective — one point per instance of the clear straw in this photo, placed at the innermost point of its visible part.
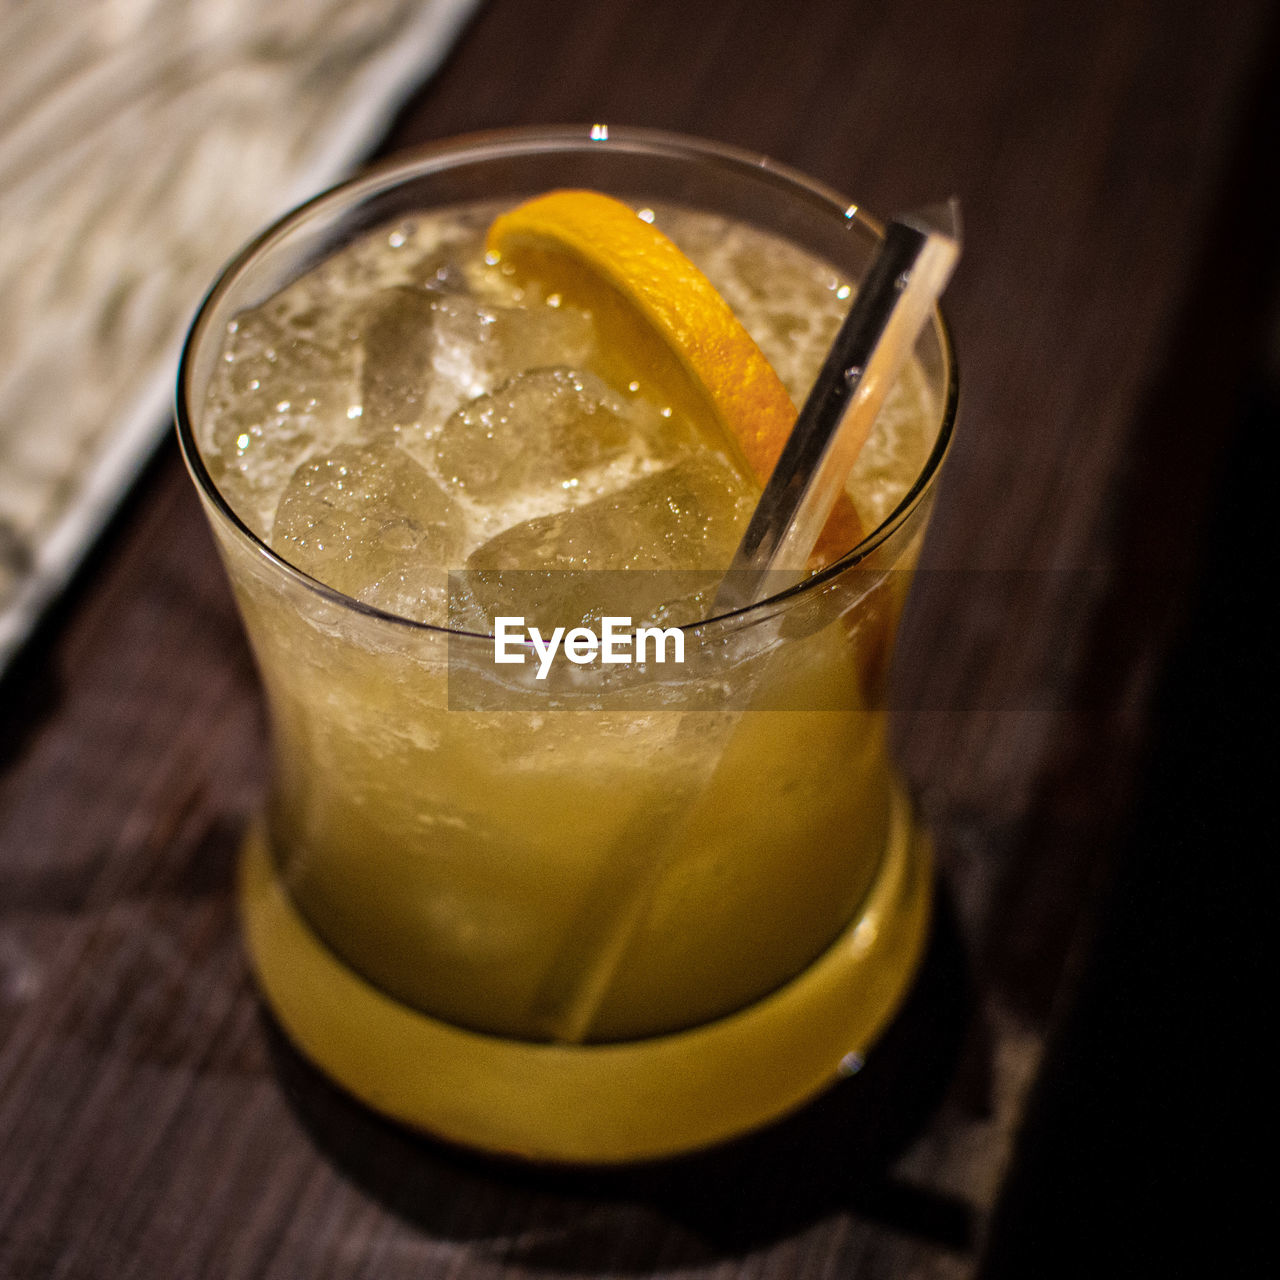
(903, 283)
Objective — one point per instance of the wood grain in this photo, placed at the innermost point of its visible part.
(153, 1124)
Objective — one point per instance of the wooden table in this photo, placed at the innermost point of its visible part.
(152, 1121)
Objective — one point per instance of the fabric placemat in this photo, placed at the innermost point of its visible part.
(141, 143)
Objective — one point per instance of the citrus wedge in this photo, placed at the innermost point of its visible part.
(662, 325)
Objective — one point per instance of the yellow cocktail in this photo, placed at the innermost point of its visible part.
(570, 920)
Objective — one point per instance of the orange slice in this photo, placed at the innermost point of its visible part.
(661, 323)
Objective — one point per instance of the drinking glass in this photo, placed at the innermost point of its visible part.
(563, 922)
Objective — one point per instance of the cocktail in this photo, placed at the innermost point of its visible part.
(526, 899)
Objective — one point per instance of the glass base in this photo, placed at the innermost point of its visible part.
(595, 1104)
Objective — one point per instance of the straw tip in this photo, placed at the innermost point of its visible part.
(940, 219)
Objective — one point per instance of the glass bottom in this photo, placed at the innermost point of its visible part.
(605, 1103)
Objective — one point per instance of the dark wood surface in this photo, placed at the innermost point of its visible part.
(154, 1124)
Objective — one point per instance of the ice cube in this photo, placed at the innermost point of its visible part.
(426, 351)
(368, 521)
(398, 348)
(557, 430)
(279, 394)
(688, 517)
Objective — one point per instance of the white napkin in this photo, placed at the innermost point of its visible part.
(141, 143)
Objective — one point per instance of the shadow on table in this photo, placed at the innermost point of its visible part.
(832, 1156)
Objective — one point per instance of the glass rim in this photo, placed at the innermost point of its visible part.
(533, 140)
